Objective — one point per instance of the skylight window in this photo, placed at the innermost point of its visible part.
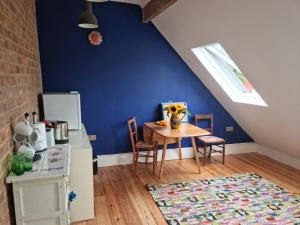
(219, 64)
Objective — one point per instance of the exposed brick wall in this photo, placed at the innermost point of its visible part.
(20, 82)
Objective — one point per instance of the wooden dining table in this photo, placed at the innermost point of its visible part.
(166, 135)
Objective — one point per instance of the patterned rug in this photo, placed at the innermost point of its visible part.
(240, 199)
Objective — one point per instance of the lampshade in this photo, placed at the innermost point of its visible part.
(87, 18)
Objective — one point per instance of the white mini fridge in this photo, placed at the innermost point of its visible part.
(63, 106)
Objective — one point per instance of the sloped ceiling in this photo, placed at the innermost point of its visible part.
(263, 38)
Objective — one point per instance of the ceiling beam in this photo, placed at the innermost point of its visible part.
(154, 8)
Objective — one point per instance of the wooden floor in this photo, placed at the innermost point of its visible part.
(121, 196)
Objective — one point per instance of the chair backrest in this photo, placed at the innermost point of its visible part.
(205, 117)
(133, 132)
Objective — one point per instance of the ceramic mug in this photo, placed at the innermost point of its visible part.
(23, 128)
(19, 138)
(27, 150)
(35, 136)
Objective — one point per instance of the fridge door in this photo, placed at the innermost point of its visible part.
(63, 106)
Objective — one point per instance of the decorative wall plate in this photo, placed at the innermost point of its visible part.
(95, 38)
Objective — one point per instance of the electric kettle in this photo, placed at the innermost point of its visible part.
(61, 132)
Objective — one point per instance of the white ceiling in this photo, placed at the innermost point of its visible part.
(263, 38)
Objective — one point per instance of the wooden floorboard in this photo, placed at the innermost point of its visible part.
(122, 199)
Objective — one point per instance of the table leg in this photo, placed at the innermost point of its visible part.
(163, 157)
(179, 147)
(196, 153)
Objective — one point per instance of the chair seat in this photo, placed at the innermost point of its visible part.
(145, 144)
(211, 139)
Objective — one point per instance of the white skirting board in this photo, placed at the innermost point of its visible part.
(279, 156)
(172, 154)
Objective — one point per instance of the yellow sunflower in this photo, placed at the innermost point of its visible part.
(179, 107)
(173, 109)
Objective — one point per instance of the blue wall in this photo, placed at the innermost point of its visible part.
(131, 73)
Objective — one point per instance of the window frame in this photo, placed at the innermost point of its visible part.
(223, 78)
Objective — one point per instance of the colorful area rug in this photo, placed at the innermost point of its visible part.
(240, 199)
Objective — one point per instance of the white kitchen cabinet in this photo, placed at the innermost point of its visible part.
(81, 176)
(41, 196)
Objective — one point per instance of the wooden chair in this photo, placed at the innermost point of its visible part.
(210, 140)
(139, 148)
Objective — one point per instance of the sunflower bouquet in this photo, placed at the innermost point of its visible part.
(177, 112)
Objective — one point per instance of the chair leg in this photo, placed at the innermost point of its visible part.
(136, 158)
(224, 153)
(156, 155)
(204, 154)
(147, 158)
(133, 159)
(210, 148)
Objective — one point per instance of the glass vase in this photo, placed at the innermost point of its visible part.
(175, 121)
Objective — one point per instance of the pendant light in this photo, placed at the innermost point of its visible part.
(87, 18)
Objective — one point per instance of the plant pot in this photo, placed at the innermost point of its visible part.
(175, 121)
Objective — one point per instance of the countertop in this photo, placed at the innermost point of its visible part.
(79, 140)
(54, 162)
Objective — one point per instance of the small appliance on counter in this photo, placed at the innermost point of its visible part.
(57, 132)
(61, 132)
(63, 107)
